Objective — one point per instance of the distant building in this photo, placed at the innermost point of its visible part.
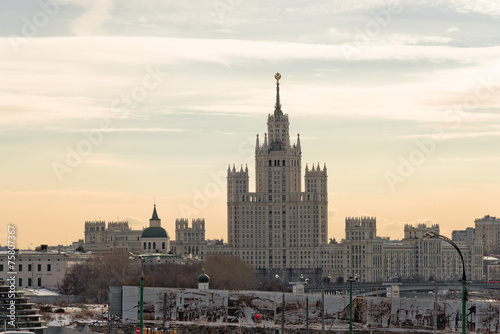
(279, 226)
(117, 235)
(39, 269)
(418, 259)
(120, 236)
(488, 231)
(155, 239)
(190, 240)
(469, 234)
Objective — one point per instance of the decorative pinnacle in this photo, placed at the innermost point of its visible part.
(277, 76)
(277, 106)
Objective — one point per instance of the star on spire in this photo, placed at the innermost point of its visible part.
(277, 106)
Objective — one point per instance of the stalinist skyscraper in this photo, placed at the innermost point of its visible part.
(280, 225)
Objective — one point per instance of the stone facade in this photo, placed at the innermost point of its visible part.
(116, 235)
(278, 226)
(488, 231)
(190, 240)
(39, 269)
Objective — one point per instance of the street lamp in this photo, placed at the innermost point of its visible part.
(283, 304)
(434, 235)
(323, 302)
(307, 302)
(141, 288)
(141, 299)
(350, 280)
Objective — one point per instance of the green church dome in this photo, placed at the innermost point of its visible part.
(203, 278)
(154, 232)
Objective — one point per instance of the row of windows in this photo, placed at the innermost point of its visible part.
(30, 268)
(39, 282)
(148, 245)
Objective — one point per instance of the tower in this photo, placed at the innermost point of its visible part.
(279, 225)
(155, 239)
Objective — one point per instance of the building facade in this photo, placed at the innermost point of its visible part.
(155, 239)
(190, 240)
(116, 235)
(488, 232)
(39, 269)
(469, 234)
(417, 259)
(279, 225)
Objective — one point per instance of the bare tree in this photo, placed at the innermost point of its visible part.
(229, 272)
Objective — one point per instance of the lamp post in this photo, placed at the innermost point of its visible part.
(323, 303)
(307, 302)
(283, 304)
(141, 298)
(351, 279)
(141, 287)
(434, 235)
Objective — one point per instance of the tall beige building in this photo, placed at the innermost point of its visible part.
(279, 225)
(488, 232)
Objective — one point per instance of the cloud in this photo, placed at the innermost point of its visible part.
(467, 159)
(145, 129)
(452, 30)
(92, 20)
(458, 135)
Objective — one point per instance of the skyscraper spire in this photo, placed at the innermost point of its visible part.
(298, 143)
(277, 106)
(257, 145)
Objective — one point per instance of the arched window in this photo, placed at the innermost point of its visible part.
(163, 245)
(154, 245)
(149, 245)
(144, 245)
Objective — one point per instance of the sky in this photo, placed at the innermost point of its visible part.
(107, 107)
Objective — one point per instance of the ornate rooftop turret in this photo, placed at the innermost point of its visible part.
(154, 230)
(257, 145)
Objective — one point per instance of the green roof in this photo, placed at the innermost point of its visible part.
(203, 278)
(154, 232)
(155, 215)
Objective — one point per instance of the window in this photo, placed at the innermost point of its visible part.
(29, 267)
(20, 282)
(49, 267)
(29, 281)
(163, 245)
(39, 267)
(1, 267)
(39, 281)
(20, 269)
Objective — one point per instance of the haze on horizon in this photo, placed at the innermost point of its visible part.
(111, 106)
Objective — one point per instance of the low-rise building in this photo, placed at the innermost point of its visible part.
(43, 268)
